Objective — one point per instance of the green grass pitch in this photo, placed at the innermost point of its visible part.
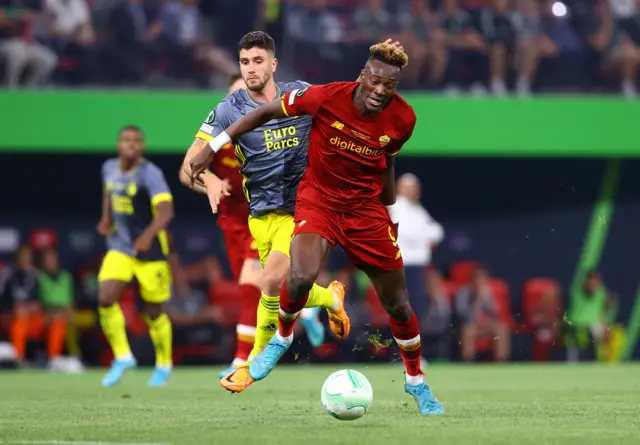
(486, 404)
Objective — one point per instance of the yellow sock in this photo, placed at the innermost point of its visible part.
(162, 338)
(113, 326)
(320, 297)
(267, 322)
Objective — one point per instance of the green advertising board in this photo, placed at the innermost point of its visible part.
(87, 122)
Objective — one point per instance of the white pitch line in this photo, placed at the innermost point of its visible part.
(71, 442)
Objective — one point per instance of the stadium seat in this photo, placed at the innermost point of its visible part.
(451, 290)
(461, 271)
(226, 296)
(503, 300)
(533, 291)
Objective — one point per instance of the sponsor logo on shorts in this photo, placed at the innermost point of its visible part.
(352, 146)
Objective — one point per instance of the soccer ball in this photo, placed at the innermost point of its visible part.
(347, 394)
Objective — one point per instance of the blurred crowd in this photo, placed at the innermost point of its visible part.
(48, 313)
(475, 46)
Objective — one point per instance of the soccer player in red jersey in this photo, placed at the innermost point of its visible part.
(358, 128)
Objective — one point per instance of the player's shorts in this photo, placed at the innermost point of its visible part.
(364, 233)
(240, 247)
(272, 233)
(154, 277)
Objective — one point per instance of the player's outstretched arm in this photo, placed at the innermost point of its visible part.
(207, 183)
(248, 122)
(185, 170)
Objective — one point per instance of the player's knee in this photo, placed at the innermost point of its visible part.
(399, 310)
(107, 296)
(270, 283)
(154, 310)
(300, 282)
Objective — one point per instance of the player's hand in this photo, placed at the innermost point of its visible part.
(217, 189)
(199, 163)
(142, 244)
(394, 43)
(104, 227)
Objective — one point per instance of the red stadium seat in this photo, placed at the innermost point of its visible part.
(226, 296)
(503, 301)
(462, 271)
(451, 289)
(532, 293)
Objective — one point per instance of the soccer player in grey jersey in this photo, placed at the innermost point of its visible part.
(273, 160)
(137, 207)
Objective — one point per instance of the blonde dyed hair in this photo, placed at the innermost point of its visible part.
(390, 54)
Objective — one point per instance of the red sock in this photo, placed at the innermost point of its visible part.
(289, 310)
(407, 336)
(246, 328)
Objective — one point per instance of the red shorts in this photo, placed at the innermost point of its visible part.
(240, 247)
(364, 233)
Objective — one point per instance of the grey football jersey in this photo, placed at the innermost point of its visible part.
(134, 195)
(273, 157)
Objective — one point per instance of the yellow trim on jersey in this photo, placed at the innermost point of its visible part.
(205, 136)
(164, 242)
(284, 109)
(242, 159)
(244, 188)
(161, 197)
(240, 154)
(162, 234)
